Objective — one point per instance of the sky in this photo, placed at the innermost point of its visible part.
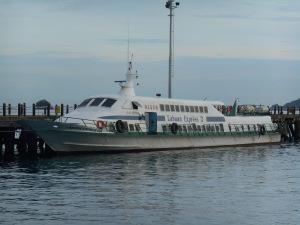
(67, 50)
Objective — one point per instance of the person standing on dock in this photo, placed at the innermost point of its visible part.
(57, 110)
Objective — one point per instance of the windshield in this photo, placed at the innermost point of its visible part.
(109, 102)
(85, 102)
(96, 101)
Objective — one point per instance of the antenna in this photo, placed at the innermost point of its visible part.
(127, 86)
(171, 5)
(128, 43)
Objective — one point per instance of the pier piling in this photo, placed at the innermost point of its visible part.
(41, 144)
(24, 109)
(19, 110)
(33, 109)
(62, 109)
(285, 132)
(4, 109)
(32, 143)
(1, 145)
(291, 131)
(288, 121)
(297, 130)
(48, 109)
(9, 109)
(21, 144)
(9, 143)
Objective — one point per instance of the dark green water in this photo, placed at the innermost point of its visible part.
(250, 185)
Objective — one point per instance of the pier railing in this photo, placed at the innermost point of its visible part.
(280, 110)
(34, 110)
(22, 109)
(93, 124)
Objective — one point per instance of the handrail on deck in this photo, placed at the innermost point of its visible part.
(184, 128)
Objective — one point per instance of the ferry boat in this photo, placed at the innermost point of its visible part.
(126, 122)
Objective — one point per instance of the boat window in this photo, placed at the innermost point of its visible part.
(172, 108)
(109, 102)
(187, 109)
(167, 108)
(131, 127)
(191, 108)
(182, 108)
(177, 108)
(217, 128)
(179, 128)
(162, 107)
(200, 109)
(137, 127)
(194, 127)
(208, 128)
(190, 128)
(236, 128)
(199, 128)
(212, 128)
(164, 128)
(85, 102)
(203, 128)
(205, 109)
(96, 101)
(111, 127)
(196, 108)
(221, 127)
(248, 126)
(184, 128)
(136, 105)
(125, 126)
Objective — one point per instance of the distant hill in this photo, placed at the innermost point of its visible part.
(295, 103)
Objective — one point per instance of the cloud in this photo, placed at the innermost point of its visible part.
(250, 17)
(33, 78)
(137, 40)
(57, 53)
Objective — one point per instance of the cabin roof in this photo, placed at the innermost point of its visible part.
(159, 100)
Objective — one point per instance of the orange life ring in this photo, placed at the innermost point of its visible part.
(101, 124)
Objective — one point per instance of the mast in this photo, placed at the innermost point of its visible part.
(127, 86)
(171, 5)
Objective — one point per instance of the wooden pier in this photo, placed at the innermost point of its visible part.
(288, 121)
(16, 139)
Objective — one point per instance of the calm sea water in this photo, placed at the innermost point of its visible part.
(258, 185)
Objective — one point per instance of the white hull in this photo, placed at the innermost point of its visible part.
(62, 137)
(78, 141)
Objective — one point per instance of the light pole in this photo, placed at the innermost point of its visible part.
(171, 5)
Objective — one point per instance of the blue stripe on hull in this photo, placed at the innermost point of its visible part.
(215, 119)
(122, 117)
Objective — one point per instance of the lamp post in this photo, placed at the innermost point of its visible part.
(171, 5)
